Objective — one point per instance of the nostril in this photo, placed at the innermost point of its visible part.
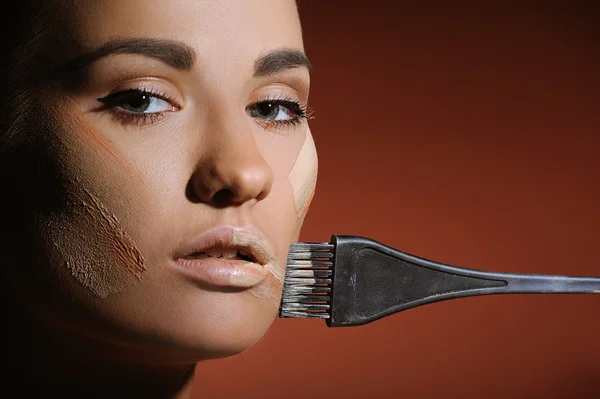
(223, 197)
(230, 179)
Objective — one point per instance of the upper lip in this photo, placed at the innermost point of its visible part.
(247, 239)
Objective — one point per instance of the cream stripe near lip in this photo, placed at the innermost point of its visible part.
(262, 278)
(272, 287)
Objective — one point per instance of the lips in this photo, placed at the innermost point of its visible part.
(226, 256)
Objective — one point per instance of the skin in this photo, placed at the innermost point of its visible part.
(108, 309)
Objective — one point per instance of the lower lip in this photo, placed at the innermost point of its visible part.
(219, 272)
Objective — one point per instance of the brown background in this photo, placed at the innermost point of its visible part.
(464, 134)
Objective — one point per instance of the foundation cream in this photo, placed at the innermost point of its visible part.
(95, 249)
(303, 176)
(88, 238)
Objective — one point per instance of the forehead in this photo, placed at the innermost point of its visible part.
(217, 29)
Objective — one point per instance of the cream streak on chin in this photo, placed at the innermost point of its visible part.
(271, 287)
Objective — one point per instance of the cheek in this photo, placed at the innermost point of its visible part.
(85, 239)
(303, 176)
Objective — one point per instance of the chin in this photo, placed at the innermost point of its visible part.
(222, 324)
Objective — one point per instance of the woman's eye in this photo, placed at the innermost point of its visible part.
(271, 111)
(277, 111)
(138, 101)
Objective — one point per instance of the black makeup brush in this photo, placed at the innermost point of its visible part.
(355, 280)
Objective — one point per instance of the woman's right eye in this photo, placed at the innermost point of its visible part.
(139, 101)
(138, 107)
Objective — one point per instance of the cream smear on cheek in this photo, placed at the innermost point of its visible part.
(95, 249)
(303, 176)
(88, 237)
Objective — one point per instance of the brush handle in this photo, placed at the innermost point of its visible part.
(547, 284)
(372, 280)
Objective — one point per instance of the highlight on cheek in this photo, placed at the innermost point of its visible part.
(303, 176)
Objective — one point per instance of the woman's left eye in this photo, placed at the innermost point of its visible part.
(278, 111)
(138, 101)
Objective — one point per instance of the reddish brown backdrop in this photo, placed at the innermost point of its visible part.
(467, 135)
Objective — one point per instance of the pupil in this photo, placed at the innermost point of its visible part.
(138, 103)
(268, 109)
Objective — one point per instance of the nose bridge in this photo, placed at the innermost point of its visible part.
(232, 169)
(232, 138)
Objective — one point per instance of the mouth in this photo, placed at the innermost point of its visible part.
(226, 256)
(224, 253)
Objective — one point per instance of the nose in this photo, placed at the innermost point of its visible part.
(231, 170)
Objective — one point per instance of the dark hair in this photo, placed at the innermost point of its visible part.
(24, 33)
(20, 42)
(30, 43)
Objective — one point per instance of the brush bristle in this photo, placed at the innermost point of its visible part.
(307, 284)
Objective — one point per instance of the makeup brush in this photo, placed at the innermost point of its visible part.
(354, 280)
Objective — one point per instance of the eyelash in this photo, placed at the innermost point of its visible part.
(113, 102)
(301, 112)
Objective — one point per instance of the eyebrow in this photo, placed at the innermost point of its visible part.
(183, 57)
(280, 60)
(174, 53)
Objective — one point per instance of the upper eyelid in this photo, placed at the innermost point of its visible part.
(292, 78)
(143, 82)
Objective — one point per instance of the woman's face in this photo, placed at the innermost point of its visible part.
(177, 133)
